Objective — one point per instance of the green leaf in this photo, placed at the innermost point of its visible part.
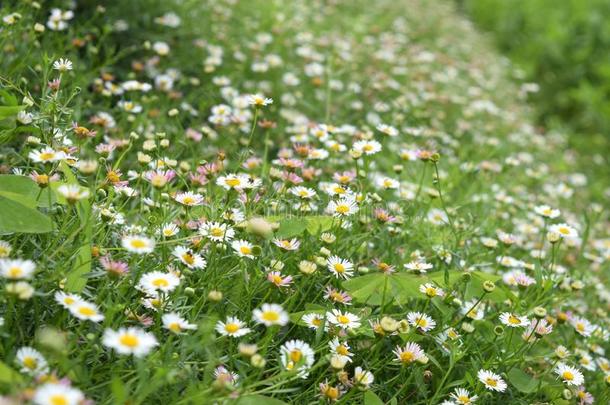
(10, 111)
(319, 223)
(258, 400)
(291, 227)
(8, 375)
(522, 381)
(370, 398)
(24, 190)
(20, 218)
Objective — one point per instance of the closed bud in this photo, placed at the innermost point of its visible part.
(427, 376)
(539, 312)
(489, 286)
(258, 361)
(389, 324)
(467, 327)
(499, 330)
(215, 295)
(189, 291)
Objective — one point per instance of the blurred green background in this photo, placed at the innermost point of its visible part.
(564, 46)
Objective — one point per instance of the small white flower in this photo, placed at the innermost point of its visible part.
(271, 314)
(130, 341)
(491, 380)
(569, 375)
(62, 65)
(233, 327)
(54, 394)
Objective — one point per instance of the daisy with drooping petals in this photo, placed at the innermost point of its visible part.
(276, 278)
(363, 378)
(175, 323)
(491, 380)
(232, 327)
(17, 269)
(292, 244)
(340, 267)
(188, 258)
(340, 349)
(270, 315)
(130, 341)
(410, 353)
(344, 320)
(569, 375)
(138, 244)
(31, 361)
(514, 321)
(297, 355)
(57, 394)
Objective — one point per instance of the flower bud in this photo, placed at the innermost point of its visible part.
(539, 312)
(489, 286)
(258, 361)
(215, 295)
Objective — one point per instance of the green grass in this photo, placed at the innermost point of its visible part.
(454, 191)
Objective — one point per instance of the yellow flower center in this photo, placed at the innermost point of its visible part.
(233, 182)
(217, 232)
(188, 258)
(30, 362)
(367, 147)
(343, 319)
(232, 327)
(342, 350)
(15, 272)
(87, 311)
(138, 244)
(47, 155)
(406, 357)
(245, 250)
(271, 316)
(296, 355)
(160, 282)
(188, 200)
(514, 320)
(339, 268)
(567, 375)
(174, 327)
(342, 209)
(129, 340)
(58, 399)
(491, 382)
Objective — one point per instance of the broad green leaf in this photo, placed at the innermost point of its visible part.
(8, 375)
(522, 381)
(291, 227)
(370, 398)
(318, 223)
(24, 190)
(20, 218)
(10, 111)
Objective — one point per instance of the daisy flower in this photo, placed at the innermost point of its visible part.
(421, 321)
(340, 267)
(175, 323)
(129, 341)
(367, 147)
(188, 258)
(582, 326)
(5, 249)
(292, 244)
(232, 327)
(189, 199)
(233, 181)
(276, 278)
(57, 394)
(31, 361)
(216, 231)
(62, 65)
(67, 300)
(410, 353)
(302, 192)
(17, 269)
(138, 244)
(344, 320)
(546, 211)
(270, 315)
(46, 155)
(363, 378)
(418, 266)
(243, 248)
(569, 375)
(168, 230)
(437, 217)
(462, 396)
(297, 355)
(155, 281)
(564, 230)
(86, 311)
(514, 321)
(313, 320)
(73, 192)
(342, 208)
(431, 290)
(340, 349)
(491, 380)
(259, 101)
